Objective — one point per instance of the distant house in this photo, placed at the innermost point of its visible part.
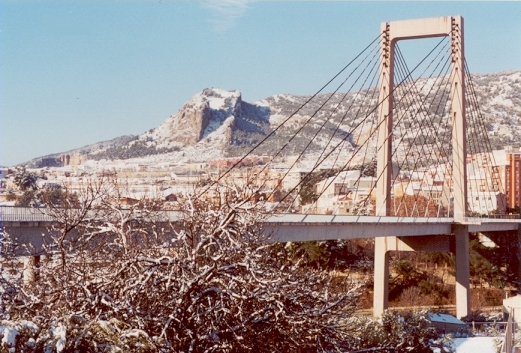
(445, 323)
(171, 198)
(486, 202)
(126, 201)
(342, 193)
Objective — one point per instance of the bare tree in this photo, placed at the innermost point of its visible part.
(210, 281)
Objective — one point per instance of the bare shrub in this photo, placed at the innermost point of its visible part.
(411, 297)
(118, 278)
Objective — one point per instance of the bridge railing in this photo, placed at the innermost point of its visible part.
(500, 216)
(24, 214)
(41, 214)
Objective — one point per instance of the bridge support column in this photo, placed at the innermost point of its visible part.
(461, 249)
(458, 243)
(381, 276)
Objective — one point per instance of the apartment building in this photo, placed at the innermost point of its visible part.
(513, 179)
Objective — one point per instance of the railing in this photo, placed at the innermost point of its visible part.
(24, 214)
(508, 342)
(487, 328)
(41, 214)
(500, 216)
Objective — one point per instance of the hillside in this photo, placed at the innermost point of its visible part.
(216, 123)
(80, 154)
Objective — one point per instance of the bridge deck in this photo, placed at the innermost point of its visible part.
(302, 227)
(299, 227)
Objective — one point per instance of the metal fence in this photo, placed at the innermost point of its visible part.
(41, 214)
(24, 214)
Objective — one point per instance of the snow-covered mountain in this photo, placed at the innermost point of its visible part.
(213, 117)
(216, 123)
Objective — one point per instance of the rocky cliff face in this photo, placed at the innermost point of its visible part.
(213, 117)
(184, 128)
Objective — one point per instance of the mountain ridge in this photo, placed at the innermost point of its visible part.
(216, 123)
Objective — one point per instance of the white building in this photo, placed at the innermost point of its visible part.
(343, 192)
(486, 202)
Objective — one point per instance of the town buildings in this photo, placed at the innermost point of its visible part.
(493, 181)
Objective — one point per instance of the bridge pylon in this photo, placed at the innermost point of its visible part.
(391, 33)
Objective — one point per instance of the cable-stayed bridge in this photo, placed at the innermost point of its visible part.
(406, 151)
(386, 149)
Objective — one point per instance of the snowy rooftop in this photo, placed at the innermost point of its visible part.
(475, 345)
(445, 318)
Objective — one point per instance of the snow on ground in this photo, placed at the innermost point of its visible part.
(217, 98)
(475, 345)
(502, 100)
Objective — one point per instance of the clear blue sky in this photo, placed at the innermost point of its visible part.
(74, 73)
